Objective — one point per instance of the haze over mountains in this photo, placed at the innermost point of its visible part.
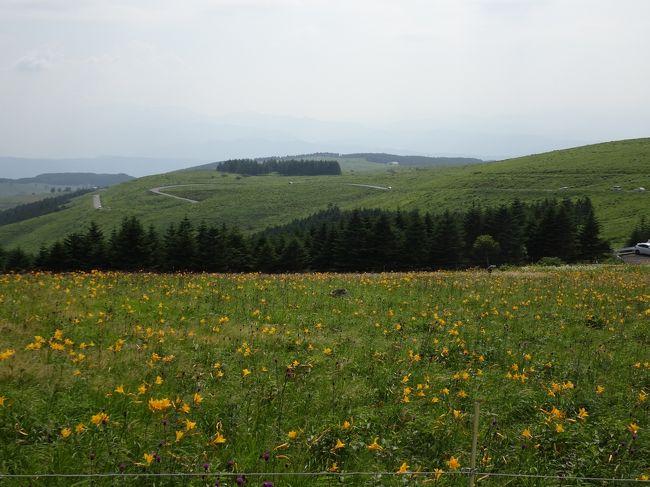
(72, 179)
(143, 141)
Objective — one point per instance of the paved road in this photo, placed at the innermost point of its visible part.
(369, 186)
(160, 189)
(636, 259)
(97, 202)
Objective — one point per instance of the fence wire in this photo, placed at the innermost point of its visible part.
(206, 475)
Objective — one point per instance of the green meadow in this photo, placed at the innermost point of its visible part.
(218, 376)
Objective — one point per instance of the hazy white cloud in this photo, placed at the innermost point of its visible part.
(572, 68)
(36, 61)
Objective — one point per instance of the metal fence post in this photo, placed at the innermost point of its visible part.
(472, 464)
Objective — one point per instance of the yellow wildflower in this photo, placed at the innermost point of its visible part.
(159, 380)
(80, 428)
(245, 373)
(148, 457)
(189, 425)
(453, 463)
(600, 389)
(198, 398)
(119, 389)
(526, 434)
(333, 468)
(559, 428)
(65, 432)
(159, 404)
(218, 439)
(179, 435)
(339, 444)
(633, 428)
(403, 468)
(99, 418)
(582, 413)
(292, 435)
(374, 446)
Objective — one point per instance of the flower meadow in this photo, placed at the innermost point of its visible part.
(254, 379)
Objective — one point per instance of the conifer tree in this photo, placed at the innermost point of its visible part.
(640, 233)
(416, 244)
(128, 246)
(264, 256)
(17, 260)
(95, 247)
(590, 246)
(447, 246)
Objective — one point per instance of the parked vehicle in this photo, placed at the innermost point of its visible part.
(642, 248)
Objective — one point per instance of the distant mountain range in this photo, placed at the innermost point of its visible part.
(25, 168)
(374, 157)
(156, 140)
(73, 179)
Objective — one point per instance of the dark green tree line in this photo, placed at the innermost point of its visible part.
(285, 167)
(333, 240)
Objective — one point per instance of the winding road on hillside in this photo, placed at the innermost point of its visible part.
(385, 188)
(97, 202)
(161, 189)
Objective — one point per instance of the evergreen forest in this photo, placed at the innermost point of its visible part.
(284, 167)
(366, 240)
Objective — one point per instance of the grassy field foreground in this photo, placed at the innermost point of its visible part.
(109, 372)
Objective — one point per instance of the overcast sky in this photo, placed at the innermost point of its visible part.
(560, 69)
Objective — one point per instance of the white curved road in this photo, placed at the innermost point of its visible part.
(369, 186)
(97, 202)
(159, 190)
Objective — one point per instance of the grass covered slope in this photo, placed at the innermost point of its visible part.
(149, 373)
(253, 203)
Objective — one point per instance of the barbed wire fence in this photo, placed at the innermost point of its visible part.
(433, 475)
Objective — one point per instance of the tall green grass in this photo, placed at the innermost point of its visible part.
(281, 370)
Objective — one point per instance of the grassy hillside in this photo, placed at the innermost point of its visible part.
(14, 192)
(254, 203)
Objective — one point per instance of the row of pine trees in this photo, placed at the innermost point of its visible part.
(335, 240)
(285, 167)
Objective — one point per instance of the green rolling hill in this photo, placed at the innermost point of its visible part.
(255, 202)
